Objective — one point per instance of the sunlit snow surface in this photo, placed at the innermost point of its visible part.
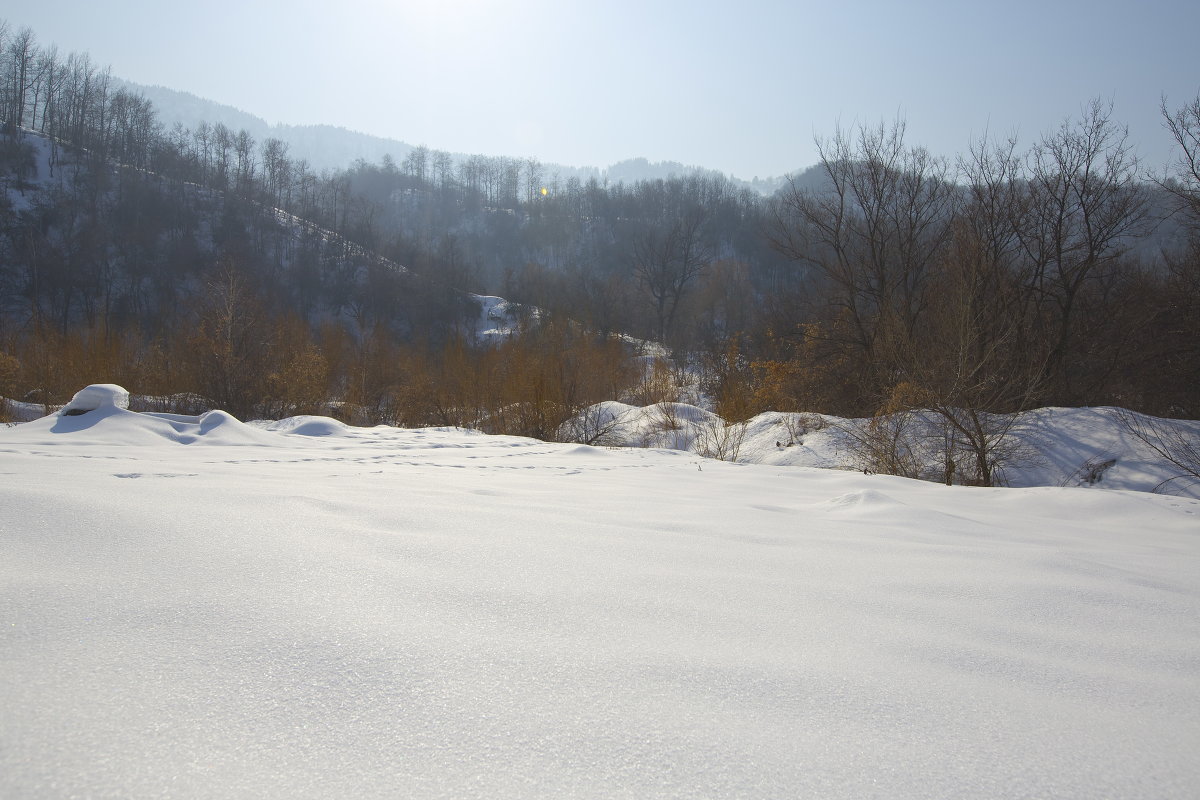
(195, 607)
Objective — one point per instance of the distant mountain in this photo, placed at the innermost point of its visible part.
(331, 147)
(638, 169)
(323, 146)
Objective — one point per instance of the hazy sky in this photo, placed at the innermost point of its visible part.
(740, 86)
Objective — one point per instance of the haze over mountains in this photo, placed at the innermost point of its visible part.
(331, 147)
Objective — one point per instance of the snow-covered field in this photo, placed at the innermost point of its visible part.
(196, 607)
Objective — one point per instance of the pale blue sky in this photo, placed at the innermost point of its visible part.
(738, 86)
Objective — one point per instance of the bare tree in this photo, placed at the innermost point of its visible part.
(532, 170)
(1170, 344)
(871, 233)
(597, 425)
(922, 275)
(1184, 181)
(243, 147)
(277, 172)
(232, 343)
(967, 363)
(222, 143)
(442, 169)
(716, 438)
(668, 260)
(416, 163)
(21, 54)
(1085, 205)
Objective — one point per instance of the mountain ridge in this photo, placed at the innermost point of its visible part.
(333, 147)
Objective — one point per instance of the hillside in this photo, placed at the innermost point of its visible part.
(329, 147)
(325, 147)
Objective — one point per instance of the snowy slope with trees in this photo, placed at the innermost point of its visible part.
(193, 606)
(1083, 447)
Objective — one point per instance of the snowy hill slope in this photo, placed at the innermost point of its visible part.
(195, 607)
(1057, 446)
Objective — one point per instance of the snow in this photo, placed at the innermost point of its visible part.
(308, 426)
(42, 177)
(97, 396)
(199, 607)
(497, 317)
(1055, 443)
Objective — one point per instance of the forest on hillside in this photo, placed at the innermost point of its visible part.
(204, 266)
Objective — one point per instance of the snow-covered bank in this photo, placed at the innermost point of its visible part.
(1054, 446)
(325, 611)
(1081, 447)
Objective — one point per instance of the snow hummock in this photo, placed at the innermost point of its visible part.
(329, 611)
(98, 396)
(111, 424)
(307, 425)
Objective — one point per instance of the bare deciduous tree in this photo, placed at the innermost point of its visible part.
(668, 260)
(1184, 182)
(1085, 205)
(231, 344)
(872, 234)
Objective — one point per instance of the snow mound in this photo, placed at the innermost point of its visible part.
(859, 500)
(211, 428)
(1090, 448)
(665, 426)
(97, 415)
(307, 425)
(95, 397)
(611, 410)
